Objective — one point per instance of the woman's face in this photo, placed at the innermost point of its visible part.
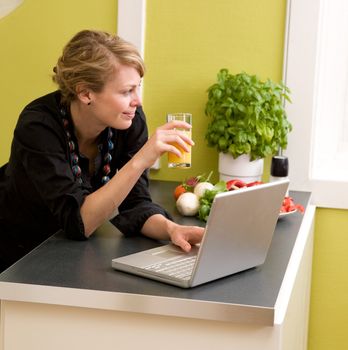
(115, 105)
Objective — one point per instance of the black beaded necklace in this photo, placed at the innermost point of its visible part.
(74, 158)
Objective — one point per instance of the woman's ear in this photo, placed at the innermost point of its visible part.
(83, 94)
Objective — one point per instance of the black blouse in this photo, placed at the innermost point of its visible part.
(38, 192)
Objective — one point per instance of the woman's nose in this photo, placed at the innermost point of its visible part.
(136, 100)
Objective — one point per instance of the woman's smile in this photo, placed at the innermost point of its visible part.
(129, 115)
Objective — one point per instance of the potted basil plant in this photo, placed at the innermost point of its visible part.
(247, 122)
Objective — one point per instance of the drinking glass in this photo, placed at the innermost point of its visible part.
(184, 161)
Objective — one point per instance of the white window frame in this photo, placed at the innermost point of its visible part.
(131, 24)
(300, 59)
(7, 6)
(131, 21)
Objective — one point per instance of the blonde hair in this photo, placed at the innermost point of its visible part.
(91, 58)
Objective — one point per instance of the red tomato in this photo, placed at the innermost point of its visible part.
(235, 184)
(179, 190)
(254, 183)
(288, 205)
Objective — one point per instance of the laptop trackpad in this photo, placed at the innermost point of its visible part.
(168, 253)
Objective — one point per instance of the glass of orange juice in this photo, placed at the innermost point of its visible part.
(185, 160)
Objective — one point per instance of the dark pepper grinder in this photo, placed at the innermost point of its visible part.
(279, 169)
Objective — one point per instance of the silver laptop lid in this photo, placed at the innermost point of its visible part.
(239, 231)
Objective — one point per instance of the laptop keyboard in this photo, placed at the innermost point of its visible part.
(179, 267)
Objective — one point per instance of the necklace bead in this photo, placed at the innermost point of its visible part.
(71, 146)
(106, 169)
(76, 170)
(74, 158)
(107, 158)
(105, 179)
(110, 145)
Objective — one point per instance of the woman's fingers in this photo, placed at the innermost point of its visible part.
(181, 141)
(175, 150)
(168, 139)
(175, 124)
(180, 137)
(185, 236)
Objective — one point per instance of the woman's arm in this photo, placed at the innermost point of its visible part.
(99, 205)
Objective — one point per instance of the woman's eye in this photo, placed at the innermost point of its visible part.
(132, 90)
(127, 92)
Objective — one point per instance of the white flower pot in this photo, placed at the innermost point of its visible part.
(240, 168)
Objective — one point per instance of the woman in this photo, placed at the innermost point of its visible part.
(82, 152)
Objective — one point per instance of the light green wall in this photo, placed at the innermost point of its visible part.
(186, 43)
(329, 297)
(31, 40)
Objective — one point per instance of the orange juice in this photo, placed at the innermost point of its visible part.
(184, 161)
(180, 162)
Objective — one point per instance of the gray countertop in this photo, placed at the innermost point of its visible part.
(86, 265)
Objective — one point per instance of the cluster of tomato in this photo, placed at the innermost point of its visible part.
(288, 206)
(236, 184)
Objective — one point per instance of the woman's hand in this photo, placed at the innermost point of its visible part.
(159, 227)
(162, 141)
(185, 236)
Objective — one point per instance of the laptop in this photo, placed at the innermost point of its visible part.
(237, 236)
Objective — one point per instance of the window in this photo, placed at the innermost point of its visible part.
(330, 153)
(316, 70)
